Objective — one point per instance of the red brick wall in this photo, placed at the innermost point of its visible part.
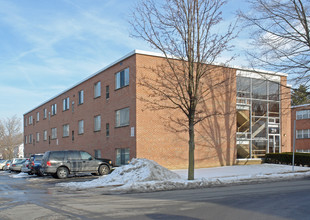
(300, 144)
(90, 140)
(215, 136)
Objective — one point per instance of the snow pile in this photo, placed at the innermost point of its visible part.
(137, 171)
(20, 175)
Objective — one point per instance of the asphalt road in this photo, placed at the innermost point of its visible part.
(38, 198)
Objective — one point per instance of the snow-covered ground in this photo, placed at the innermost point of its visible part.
(143, 175)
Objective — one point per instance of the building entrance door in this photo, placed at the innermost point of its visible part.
(274, 143)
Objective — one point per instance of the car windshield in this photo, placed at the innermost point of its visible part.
(19, 160)
(38, 157)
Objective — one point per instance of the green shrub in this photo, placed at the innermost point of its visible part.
(286, 158)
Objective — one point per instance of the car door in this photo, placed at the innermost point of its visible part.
(88, 163)
(74, 161)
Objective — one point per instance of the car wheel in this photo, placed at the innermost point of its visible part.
(62, 172)
(103, 170)
(39, 173)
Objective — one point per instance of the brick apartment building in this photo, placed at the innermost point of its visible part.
(301, 113)
(106, 116)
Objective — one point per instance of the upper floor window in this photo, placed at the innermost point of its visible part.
(30, 138)
(25, 122)
(97, 123)
(26, 139)
(65, 130)
(38, 136)
(81, 97)
(45, 135)
(54, 109)
(81, 126)
(65, 104)
(301, 134)
(304, 114)
(97, 89)
(38, 116)
(122, 78)
(45, 113)
(30, 120)
(54, 133)
(122, 117)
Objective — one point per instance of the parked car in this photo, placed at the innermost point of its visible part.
(60, 164)
(7, 165)
(35, 164)
(2, 163)
(17, 165)
(25, 166)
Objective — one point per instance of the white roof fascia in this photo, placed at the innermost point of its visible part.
(297, 106)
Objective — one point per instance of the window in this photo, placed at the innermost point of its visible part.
(107, 92)
(25, 122)
(65, 104)
(38, 136)
(26, 139)
(122, 117)
(54, 109)
(304, 114)
(107, 126)
(302, 134)
(122, 156)
(30, 138)
(81, 126)
(65, 130)
(122, 78)
(38, 116)
(44, 135)
(97, 153)
(81, 97)
(85, 155)
(97, 123)
(45, 113)
(54, 133)
(97, 90)
(30, 120)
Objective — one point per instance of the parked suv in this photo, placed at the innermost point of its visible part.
(35, 164)
(62, 163)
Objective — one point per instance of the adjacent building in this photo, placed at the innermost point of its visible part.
(106, 115)
(301, 116)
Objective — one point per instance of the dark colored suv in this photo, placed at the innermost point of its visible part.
(62, 163)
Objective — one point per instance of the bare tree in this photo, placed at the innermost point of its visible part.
(190, 36)
(282, 35)
(10, 136)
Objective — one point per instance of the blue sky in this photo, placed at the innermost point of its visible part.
(49, 45)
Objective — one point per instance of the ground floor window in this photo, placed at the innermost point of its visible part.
(97, 153)
(122, 156)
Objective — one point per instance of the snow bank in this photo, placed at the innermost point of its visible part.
(143, 175)
(138, 170)
(20, 175)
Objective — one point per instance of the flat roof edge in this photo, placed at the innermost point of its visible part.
(303, 105)
(142, 52)
(87, 78)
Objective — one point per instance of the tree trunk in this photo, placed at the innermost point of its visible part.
(191, 156)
